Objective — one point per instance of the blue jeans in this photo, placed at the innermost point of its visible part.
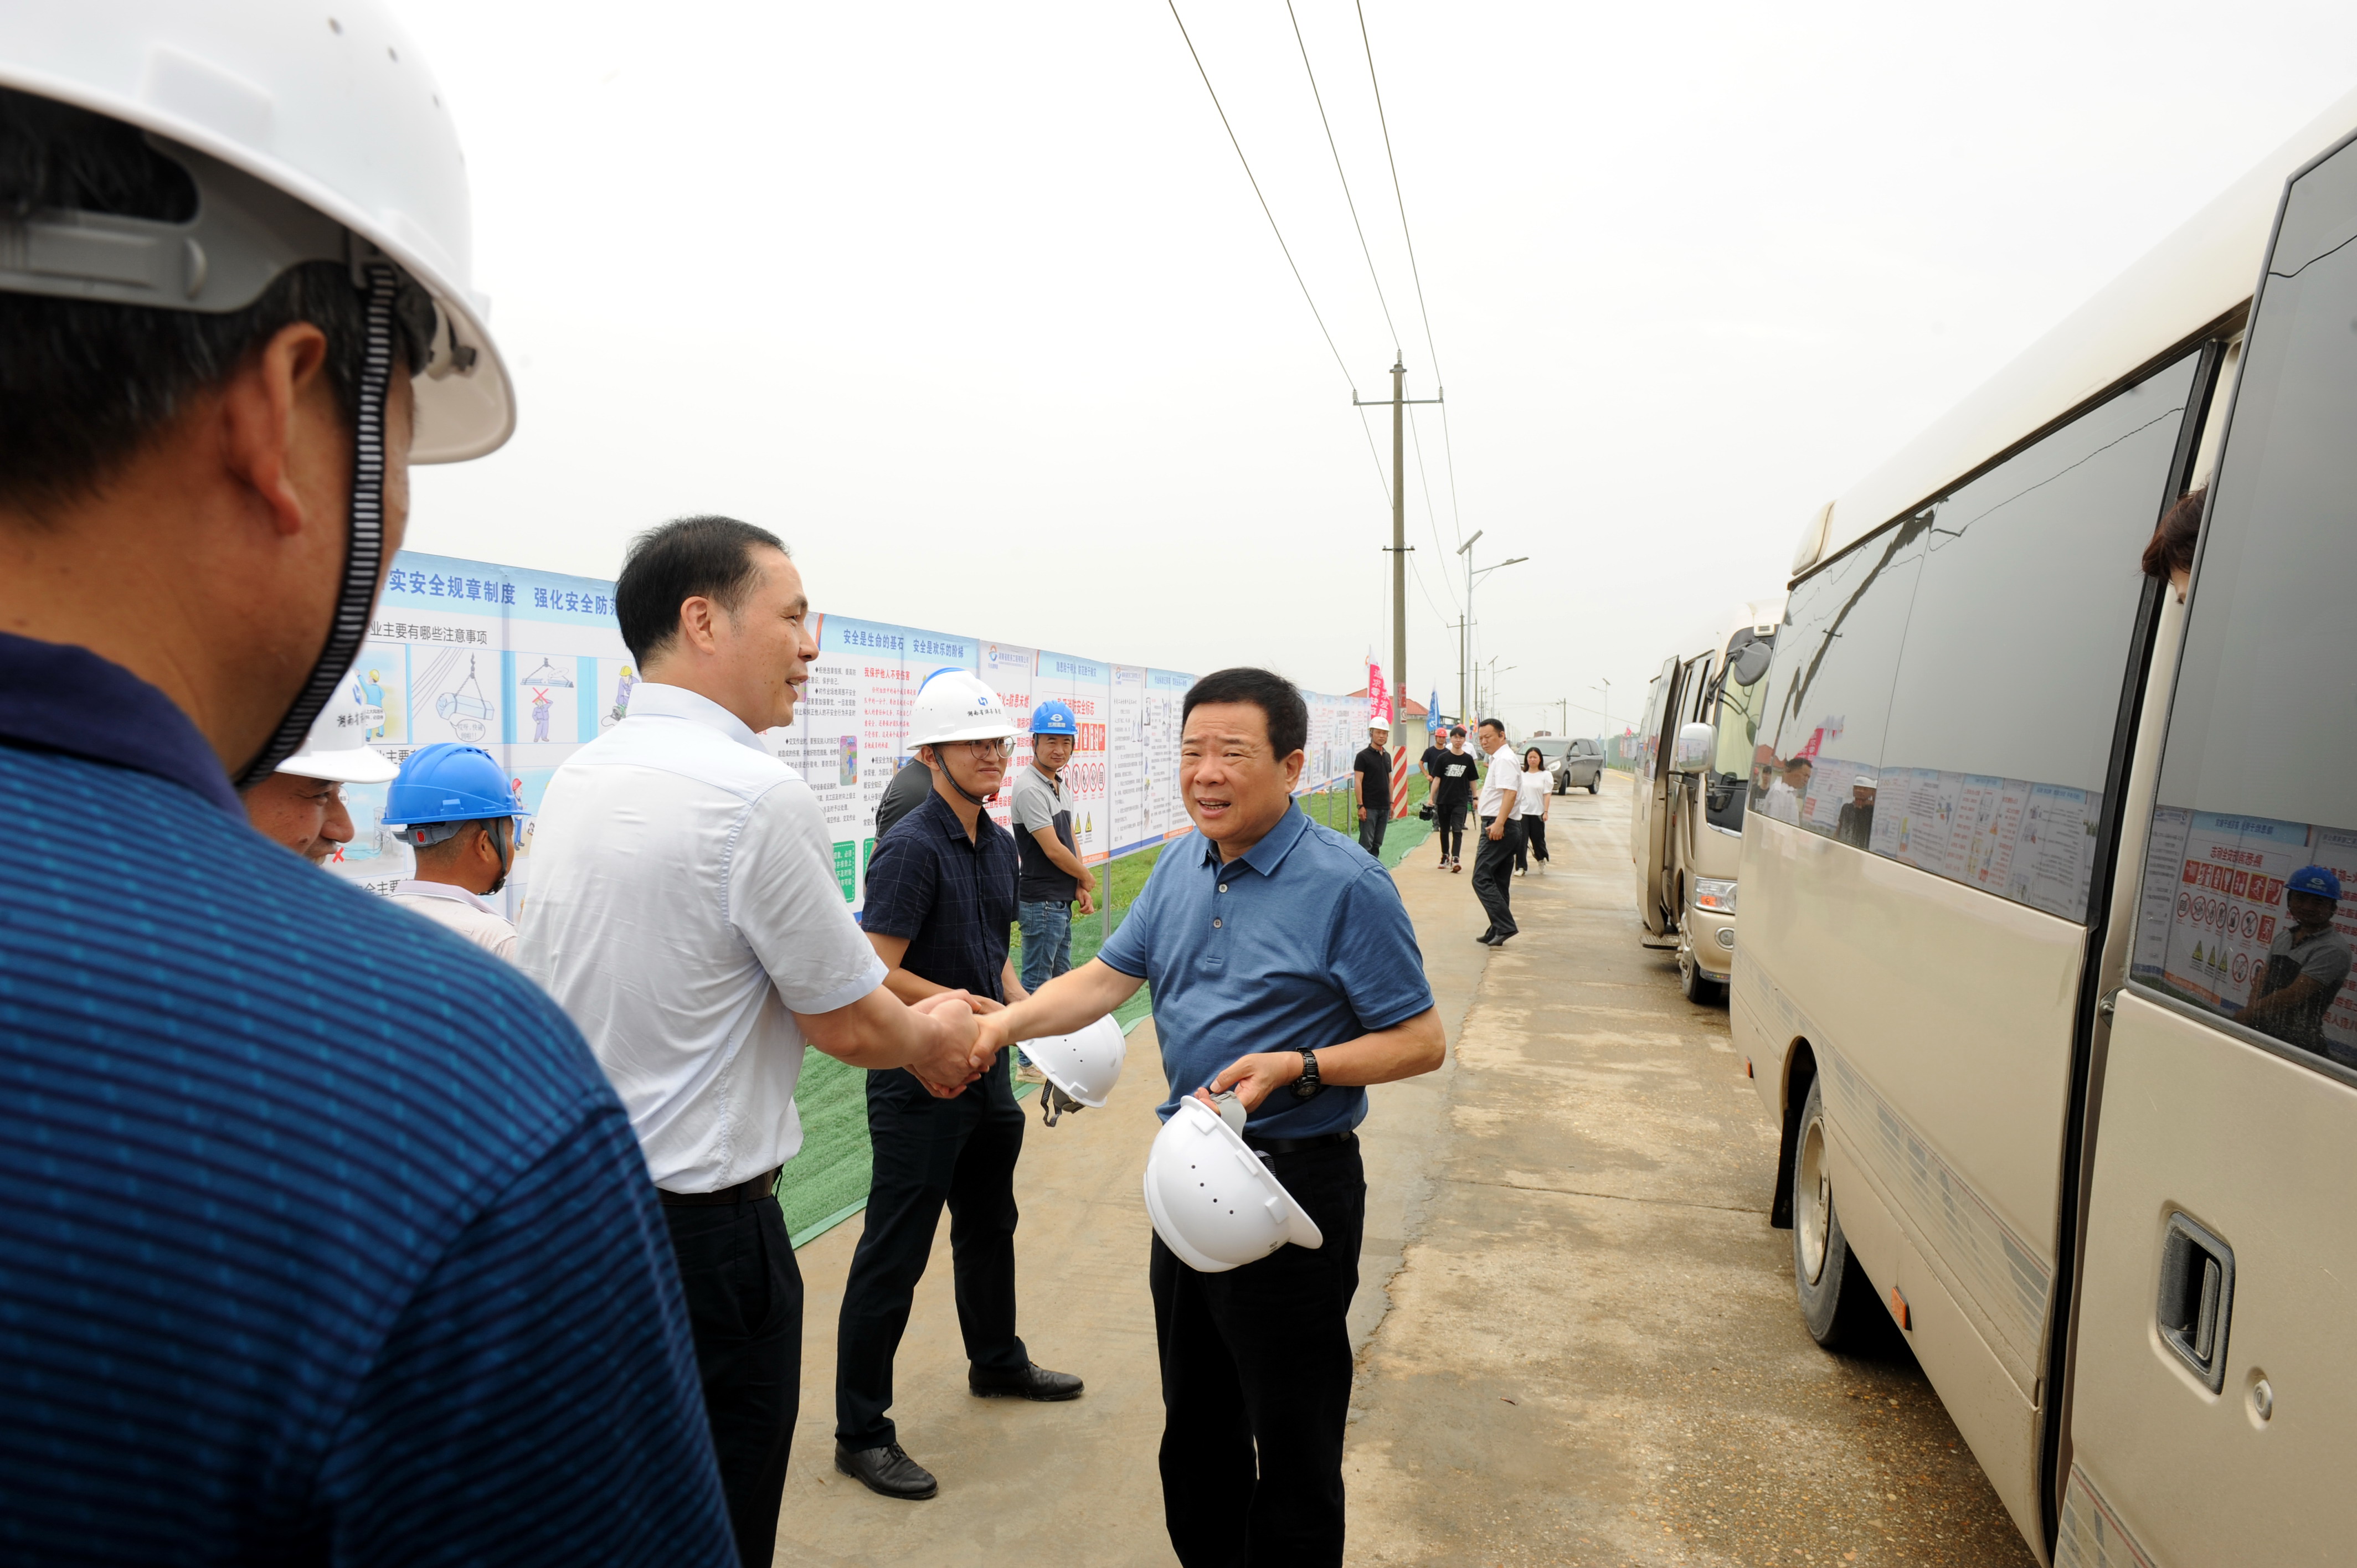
(1046, 940)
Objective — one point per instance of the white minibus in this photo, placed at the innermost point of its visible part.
(2050, 884)
(1685, 824)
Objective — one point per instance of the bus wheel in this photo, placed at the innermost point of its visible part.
(1837, 1301)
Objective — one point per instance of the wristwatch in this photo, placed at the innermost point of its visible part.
(1307, 1084)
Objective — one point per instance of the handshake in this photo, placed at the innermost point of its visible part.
(959, 1037)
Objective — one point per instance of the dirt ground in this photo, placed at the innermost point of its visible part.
(1578, 1338)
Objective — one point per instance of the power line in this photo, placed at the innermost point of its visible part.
(1263, 200)
(1449, 451)
(1320, 99)
(1424, 477)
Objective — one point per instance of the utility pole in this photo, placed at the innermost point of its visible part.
(1464, 645)
(1399, 548)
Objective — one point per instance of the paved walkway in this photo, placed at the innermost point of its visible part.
(1578, 1338)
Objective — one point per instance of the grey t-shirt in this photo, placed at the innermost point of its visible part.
(1038, 801)
(2323, 957)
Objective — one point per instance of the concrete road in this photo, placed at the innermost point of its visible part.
(1592, 1354)
(1577, 1330)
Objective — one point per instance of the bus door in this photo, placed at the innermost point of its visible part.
(2215, 1387)
(1651, 832)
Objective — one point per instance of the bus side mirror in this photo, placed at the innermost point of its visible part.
(1751, 662)
(1692, 752)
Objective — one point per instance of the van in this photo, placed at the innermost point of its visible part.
(1693, 764)
(2057, 1027)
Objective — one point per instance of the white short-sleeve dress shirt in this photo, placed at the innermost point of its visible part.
(683, 908)
(1501, 780)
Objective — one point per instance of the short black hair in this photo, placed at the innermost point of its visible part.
(85, 383)
(1498, 725)
(686, 558)
(1456, 729)
(1272, 694)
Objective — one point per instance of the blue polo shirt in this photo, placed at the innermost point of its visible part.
(322, 1237)
(1300, 944)
(952, 898)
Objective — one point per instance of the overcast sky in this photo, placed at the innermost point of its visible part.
(975, 306)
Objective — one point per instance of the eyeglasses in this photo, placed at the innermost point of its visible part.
(1002, 746)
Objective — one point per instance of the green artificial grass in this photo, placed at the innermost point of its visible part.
(826, 1184)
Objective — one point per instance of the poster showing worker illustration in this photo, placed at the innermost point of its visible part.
(1007, 669)
(1084, 684)
(1158, 723)
(850, 729)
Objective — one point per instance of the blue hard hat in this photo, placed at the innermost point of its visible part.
(1052, 717)
(2314, 879)
(448, 782)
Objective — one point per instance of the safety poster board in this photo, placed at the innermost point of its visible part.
(531, 666)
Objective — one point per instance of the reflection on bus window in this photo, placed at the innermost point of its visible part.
(2254, 838)
(1738, 721)
(1946, 694)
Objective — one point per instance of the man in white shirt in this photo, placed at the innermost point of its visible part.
(1502, 834)
(685, 910)
(454, 807)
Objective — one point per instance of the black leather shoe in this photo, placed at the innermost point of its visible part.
(887, 1472)
(1033, 1383)
(1486, 940)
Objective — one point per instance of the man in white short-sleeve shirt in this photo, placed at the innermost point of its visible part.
(685, 910)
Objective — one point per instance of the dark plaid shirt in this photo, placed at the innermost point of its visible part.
(952, 898)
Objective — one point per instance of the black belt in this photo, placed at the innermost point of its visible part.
(1297, 1145)
(752, 1191)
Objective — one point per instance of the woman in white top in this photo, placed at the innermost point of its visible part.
(1534, 794)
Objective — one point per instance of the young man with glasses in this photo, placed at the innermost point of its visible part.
(940, 896)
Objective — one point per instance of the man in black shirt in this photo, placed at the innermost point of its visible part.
(1452, 771)
(940, 896)
(1373, 767)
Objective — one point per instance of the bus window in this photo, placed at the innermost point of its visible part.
(1829, 685)
(1739, 732)
(2018, 645)
(2250, 869)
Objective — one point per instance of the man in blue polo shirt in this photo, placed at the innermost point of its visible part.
(1284, 968)
(940, 898)
(322, 1238)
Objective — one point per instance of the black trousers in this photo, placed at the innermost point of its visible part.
(1493, 872)
(744, 1297)
(1256, 1384)
(1533, 842)
(929, 1153)
(1370, 831)
(1451, 833)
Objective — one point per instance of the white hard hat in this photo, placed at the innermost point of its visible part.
(337, 746)
(1212, 1201)
(1866, 780)
(331, 106)
(1085, 1064)
(956, 704)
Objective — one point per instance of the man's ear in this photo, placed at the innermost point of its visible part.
(264, 406)
(699, 624)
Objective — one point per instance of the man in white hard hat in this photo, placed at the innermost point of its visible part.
(291, 1271)
(940, 897)
(301, 806)
(1284, 968)
(685, 910)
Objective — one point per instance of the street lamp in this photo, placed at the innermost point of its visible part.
(1465, 626)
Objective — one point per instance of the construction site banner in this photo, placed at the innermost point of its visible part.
(531, 666)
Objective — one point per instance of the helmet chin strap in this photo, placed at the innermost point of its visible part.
(941, 770)
(502, 832)
(364, 537)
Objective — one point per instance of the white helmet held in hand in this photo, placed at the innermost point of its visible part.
(1212, 1201)
(1080, 1068)
(956, 704)
(338, 746)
